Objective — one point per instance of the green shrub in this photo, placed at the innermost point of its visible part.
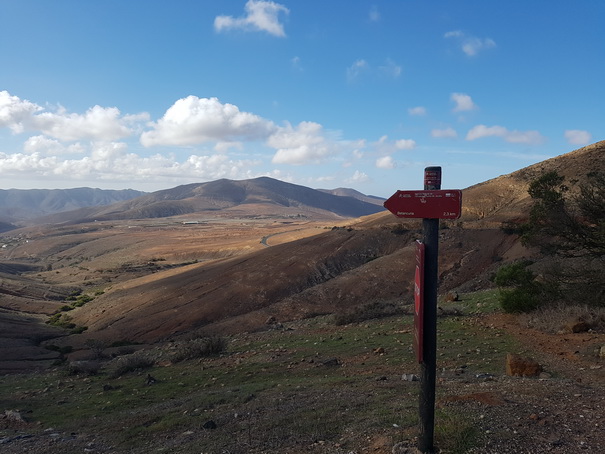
(519, 291)
(518, 300)
(514, 274)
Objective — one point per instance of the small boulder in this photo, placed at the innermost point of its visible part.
(452, 296)
(576, 326)
(518, 366)
(602, 352)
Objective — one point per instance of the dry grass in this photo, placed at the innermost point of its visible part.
(558, 318)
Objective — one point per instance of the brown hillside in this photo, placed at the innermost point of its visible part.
(163, 278)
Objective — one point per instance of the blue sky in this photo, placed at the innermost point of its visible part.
(150, 94)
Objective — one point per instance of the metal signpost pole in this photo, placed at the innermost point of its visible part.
(431, 204)
(428, 366)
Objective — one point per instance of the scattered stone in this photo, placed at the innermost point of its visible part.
(331, 362)
(602, 352)
(517, 366)
(452, 296)
(210, 425)
(13, 416)
(410, 377)
(485, 377)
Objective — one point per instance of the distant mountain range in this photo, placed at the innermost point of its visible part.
(18, 205)
(259, 196)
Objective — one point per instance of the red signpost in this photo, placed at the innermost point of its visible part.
(419, 300)
(431, 204)
(436, 204)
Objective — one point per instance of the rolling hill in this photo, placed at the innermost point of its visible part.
(244, 198)
(162, 280)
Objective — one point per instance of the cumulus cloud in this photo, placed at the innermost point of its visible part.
(405, 144)
(470, 45)
(445, 133)
(259, 16)
(303, 144)
(194, 120)
(15, 113)
(358, 177)
(111, 161)
(97, 123)
(417, 111)
(45, 145)
(384, 146)
(463, 102)
(385, 162)
(525, 137)
(577, 137)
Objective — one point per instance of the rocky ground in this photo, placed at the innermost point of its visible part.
(561, 411)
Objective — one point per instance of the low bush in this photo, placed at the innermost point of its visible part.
(83, 368)
(199, 348)
(137, 361)
(557, 318)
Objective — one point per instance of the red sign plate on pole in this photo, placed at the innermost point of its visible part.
(419, 301)
(429, 204)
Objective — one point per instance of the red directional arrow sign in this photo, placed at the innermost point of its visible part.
(430, 204)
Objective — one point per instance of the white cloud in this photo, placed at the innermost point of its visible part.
(385, 162)
(405, 144)
(526, 137)
(390, 69)
(417, 111)
(470, 45)
(445, 133)
(260, 16)
(224, 147)
(356, 69)
(301, 145)
(98, 123)
(15, 113)
(577, 137)
(358, 177)
(384, 146)
(463, 102)
(194, 120)
(110, 161)
(44, 145)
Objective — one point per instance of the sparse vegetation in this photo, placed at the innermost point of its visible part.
(371, 311)
(137, 361)
(198, 348)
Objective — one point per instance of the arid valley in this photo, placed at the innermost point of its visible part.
(263, 267)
